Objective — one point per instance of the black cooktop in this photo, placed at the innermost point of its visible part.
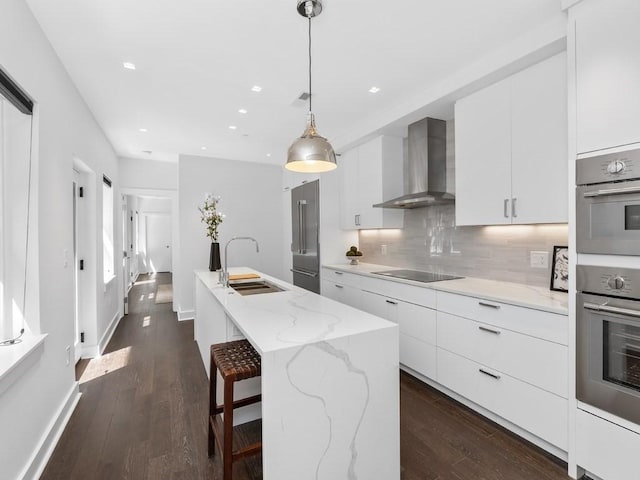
(417, 276)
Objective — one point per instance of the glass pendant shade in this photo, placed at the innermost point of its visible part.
(311, 153)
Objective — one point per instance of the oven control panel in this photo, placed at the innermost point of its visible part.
(619, 282)
(611, 167)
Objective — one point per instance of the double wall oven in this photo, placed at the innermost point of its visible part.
(608, 299)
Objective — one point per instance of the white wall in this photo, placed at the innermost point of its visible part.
(252, 202)
(148, 174)
(65, 128)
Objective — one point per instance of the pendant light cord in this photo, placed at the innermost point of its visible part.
(310, 110)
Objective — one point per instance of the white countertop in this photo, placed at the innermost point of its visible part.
(538, 298)
(294, 317)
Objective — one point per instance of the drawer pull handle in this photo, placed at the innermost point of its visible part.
(339, 286)
(338, 273)
(492, 375)
(485, 329)
(491, 305)
(391, 302)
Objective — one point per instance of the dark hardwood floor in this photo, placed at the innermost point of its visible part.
(144, 404)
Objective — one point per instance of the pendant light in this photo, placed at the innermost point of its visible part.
(311, 153)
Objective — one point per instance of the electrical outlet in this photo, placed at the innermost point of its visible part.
(68, 350)
(539, 259)
(383, 249)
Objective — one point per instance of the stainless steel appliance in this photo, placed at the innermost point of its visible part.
(427, 168)
(305, 247)
(417, 275)
(608, 203)
(608, 339)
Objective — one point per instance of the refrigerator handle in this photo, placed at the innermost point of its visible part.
(303, 240)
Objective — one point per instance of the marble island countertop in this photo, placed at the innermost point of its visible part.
(293, 317)
(538, 298)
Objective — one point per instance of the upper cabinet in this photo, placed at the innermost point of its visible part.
(511, 149)
(371, 173)
(607, 73)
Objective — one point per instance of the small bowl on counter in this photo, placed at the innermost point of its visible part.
(353, 259)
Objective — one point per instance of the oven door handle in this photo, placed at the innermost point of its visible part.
(612, 191)
(608, 309)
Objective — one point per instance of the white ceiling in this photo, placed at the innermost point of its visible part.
(198, 59)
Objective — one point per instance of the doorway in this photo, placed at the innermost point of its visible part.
(158, 242)
(76, 192)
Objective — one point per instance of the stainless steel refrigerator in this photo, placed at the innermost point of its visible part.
(305, 242)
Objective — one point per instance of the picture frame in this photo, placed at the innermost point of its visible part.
(560, 269)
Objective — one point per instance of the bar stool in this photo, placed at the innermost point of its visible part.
(235, 361)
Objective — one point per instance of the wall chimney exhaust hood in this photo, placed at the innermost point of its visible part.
(427, 172)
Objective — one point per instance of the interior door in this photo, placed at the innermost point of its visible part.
(76, 262)
(158, 239)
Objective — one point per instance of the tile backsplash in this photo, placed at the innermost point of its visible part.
(431, 241)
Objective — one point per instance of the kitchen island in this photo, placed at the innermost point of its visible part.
(330, 379)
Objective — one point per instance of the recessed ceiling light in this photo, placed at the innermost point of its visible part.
(268, 154)
(256, 88)
(143, 130)
(129, 65)
(203, 148)
(232, 127)
(374, 90)
(242, 110)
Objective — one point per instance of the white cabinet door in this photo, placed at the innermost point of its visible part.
(539, 143)
(607, 73)
(341, 293)
(379, 305)
(483, 156)
(370, 173)
(349, 205)
(511, 149)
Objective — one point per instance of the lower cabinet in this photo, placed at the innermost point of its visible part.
(509, 360)
(542, 413)
(417, 329)
(342, 293)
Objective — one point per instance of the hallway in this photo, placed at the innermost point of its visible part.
(143, 406)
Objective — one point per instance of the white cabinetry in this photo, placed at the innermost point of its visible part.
(371, 173)
(511, 149)
(342, 287)
(510, 360)
(607, 73)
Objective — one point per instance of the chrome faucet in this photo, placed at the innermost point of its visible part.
(224, 277)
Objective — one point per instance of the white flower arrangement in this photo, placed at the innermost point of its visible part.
(210, 216)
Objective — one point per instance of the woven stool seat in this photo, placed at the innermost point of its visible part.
(237, 360)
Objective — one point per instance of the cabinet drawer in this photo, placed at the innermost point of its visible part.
(537, 411)
(379, 305)
(537, 323)
(409, 293)
(342, 278)
(538, 362)
(417, 322)
(341, 293)
(418, 355)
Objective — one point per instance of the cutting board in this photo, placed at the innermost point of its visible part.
(243, 276)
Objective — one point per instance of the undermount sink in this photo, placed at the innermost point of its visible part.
(255, 288)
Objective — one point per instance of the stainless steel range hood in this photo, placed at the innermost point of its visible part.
(427, 172)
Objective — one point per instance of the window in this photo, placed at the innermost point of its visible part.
(107, 230)
(15, 193)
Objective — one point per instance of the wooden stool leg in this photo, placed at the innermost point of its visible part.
(228, 429)
(213, 374)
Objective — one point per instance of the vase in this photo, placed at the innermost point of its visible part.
(214, 257)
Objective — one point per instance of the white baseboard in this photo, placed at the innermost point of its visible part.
(49, 440)
(113, 324)
(95, 350)
(186, 315)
